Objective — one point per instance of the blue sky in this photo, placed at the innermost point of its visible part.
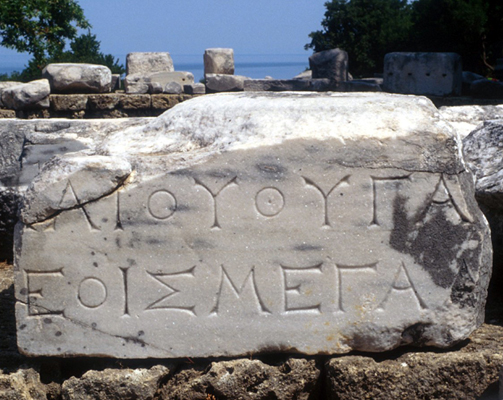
(190, 26)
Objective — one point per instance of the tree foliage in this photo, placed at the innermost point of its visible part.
(86, 49)
(40, 27)
(368, 29)
(43, 28)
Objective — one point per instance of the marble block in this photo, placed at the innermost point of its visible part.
(243, 223)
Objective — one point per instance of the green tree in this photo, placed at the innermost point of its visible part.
(366, 29)
(86, 49)
(459, 26)
(40, 27)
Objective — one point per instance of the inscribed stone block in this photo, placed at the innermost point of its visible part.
(256, 222)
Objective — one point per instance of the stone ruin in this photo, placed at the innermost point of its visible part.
(247, 224)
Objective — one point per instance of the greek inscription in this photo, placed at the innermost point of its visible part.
(161, 204)
(92, 292)
(350, 268)
(118, 222)
(70, 192)
(402, 283)
(160, 304)
(249, 284)
(324, 195)
(444, 195)
(269, 201)
(376, 195)
(126, 289)
(32, 295)
(293, 282)
(214, 196)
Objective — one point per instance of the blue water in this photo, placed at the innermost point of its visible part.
(278, 66)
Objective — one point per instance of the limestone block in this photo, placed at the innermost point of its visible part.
(466, 119)
(68, 102)
(7, 113)
(247, 379)
(195, 88)
(5, 85)
(135, 102)
(295, 222)
(218, 61)
(224, 83)
(436, 74)
(330, 64)
(277, 85)
(173, 88)
(78, 78)
(116, 82)
(140, 83)
(23, 384)
(421, 374)
(26, 96)
(109, 101)
(148, 63)
(126, 384)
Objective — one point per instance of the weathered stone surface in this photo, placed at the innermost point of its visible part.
(308, 74)
(486, 89)
(104, 101)
(330, 64)
(34, 94)
(246, 379)
(465, 373)
(140, 83)
(166, 101)
(7, 114)
(27, 145)
(78, 78)
(135, 101)
(71, 181)
(195, 88)
(308, 85)
(466, 119)
(23, 384)
(437, 74)
(115, 384)
(173, 88)
(218, 61)
(68, 102)
(148, 63)
(484, 155)
(392, 248)
(277, 85)
(225, 83)
(6, 85)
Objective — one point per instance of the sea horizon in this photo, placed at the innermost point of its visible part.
(255, 66)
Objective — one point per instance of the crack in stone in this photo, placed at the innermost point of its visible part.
(87, 326)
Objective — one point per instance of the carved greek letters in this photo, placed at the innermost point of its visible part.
(402, 283)
(35, 291)
(269, 201)
(350, 269)
(70, 192)
(443, 195)
(92, 292)
(324, 195)
(162, 204)
(382, 196)
(214, 196)
(249, 285)
(162, 304)
(296, 299)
